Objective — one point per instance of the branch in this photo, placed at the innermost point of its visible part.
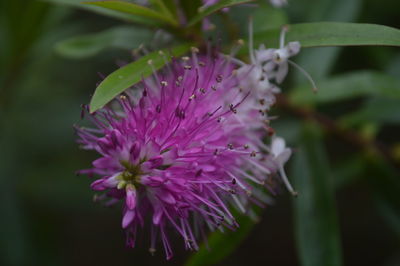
(348, 135)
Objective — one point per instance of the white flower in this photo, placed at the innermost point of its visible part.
(281, 155)
(275, 61)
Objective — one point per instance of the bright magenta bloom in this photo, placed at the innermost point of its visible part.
(181, 149)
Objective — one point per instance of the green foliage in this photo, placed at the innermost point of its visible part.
(123, 37)
(130, 74)
(214, 8)
(348, 86)
(316, 225)
(266, 17)
(378, 110)
(221, 245)
(326, 10)
(107, 12)
(320, 34)
(134, 9)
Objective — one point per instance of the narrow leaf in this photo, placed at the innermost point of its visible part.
(134, 9)
(333, 34)
(162, 7)
(316, 226)
(347, 86)
(130, 74)
(339, 10)
(108, 12)
(123, 37)
(377, 110)
(384, 182)
(214, 8)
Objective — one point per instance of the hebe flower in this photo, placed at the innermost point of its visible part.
(178, 151)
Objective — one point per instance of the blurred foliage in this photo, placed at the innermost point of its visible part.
(345, 164)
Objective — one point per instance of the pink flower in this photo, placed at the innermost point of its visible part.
(178, 151)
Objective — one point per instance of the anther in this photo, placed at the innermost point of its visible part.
(246, 146)
(233, 181)
(262, 101)
(187, 67)
(121, 184)
(216, 152)
(192, 97)
(219, 78)
(185, 58)
(202, 90)
(202, 64)
(213, 87)
(219, 119)
(253, 154)
(230, 146)
(231, 107)
(180, 113)
(152, 251)
(180, 78)
(164, 83)
(122, 97)
(270, 131)
(150, 62)
(194, 49)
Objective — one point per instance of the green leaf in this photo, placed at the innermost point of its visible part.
(107, 12)
(347, 86)
(321, 34)
(134, 9)
(377, 110)
(384, 182)
(316, 226)
(338, 10)
(214, 8)
(123, 37)
(348, 170)
(190, 8)
(221, 244)
(163, 7)
(130, 74)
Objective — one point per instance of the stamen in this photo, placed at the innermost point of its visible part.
(155, 74)
(305, 73)
(286, 182)
(239, 204)
(285, 29)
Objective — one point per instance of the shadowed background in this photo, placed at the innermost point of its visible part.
(47, 213)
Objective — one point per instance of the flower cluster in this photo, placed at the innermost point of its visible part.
(181, 153)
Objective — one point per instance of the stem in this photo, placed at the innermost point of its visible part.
(347, 135)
